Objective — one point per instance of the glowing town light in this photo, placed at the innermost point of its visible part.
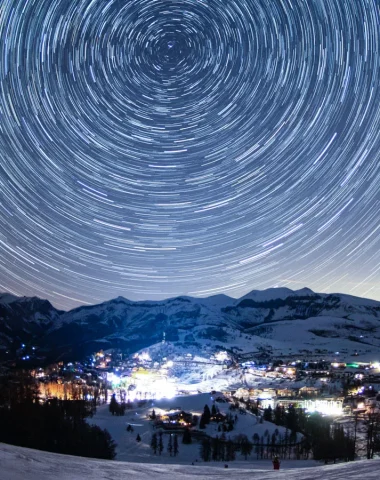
(266, 400)
(221, 356)
(144, 356)
(163, 389)
(325, 410)
(113, 379)
(325, 407)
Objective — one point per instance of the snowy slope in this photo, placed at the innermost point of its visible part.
(25, 464)
(129, 450)
(325, 331)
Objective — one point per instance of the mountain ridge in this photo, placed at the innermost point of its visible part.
(131, 325)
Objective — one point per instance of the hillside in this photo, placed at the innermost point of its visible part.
(20, 463)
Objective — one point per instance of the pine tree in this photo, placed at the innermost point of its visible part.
(114, 406)
(205, 450)
(222, 447)
(170, 445)
(138, 438)
(215, 448)
(175, 445)
(372, 433)
(206, 414)
(230, 450)
(246, 447)
(268, 414)
(256, 438)
(154, 443)
(291, 419)
(257, 447)
(261, 446)
(202, 422)
(160, 443)
(279, 415)
(186, 439)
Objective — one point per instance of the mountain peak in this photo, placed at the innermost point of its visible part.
(304, 292)
(6, 298)
(120, 298)
(268, 294)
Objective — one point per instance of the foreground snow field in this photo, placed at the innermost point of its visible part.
(18, 463)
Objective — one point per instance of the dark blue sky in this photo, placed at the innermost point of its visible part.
(155, 148)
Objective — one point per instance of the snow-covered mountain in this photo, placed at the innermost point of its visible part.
(272, 317)
(24, 320)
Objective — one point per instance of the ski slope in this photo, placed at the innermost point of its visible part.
(18, 463)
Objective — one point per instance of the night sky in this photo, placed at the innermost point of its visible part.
(153, 148)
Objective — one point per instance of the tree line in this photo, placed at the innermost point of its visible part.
(329, 440)
(305, 435)
(54, 425)
(157, 444)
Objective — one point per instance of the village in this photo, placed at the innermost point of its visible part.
(329, 387)
(262, 402)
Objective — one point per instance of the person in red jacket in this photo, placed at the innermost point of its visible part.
(276, 463)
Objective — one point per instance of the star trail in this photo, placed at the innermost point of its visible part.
(152, 148)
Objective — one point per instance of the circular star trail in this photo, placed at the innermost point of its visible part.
(151, 148)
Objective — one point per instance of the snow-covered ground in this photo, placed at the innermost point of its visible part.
(136, 460)
(18, 463)
(128, 449)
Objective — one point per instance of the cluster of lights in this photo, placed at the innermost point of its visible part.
(324, 407)
(113, 379)
(221, 356)
(144, 357)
